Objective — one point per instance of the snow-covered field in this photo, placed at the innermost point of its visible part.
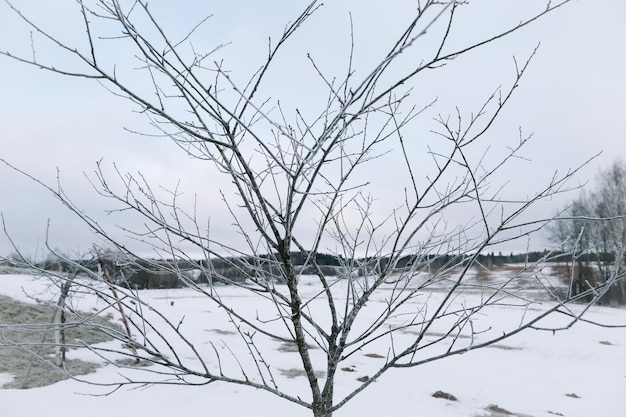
(577, 373)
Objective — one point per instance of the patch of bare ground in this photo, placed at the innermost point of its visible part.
(460, 336)
(504, 347)
(444, 395)
(291, 347)
(298, 372)
(494, 408)
(24, 353)
(453, 335)
(134, 363)
(222, 332)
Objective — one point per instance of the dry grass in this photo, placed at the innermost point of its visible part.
(291, 347)
(563, 272)
(24, 327)
(512, 268)
(298, 372)
(482, 274)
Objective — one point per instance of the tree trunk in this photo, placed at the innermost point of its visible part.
(59, 320)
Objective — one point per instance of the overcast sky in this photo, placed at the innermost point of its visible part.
(571, 99)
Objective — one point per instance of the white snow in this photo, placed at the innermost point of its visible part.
(530, 374)
(5, 379)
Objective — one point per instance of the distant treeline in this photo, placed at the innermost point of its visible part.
(147, 274)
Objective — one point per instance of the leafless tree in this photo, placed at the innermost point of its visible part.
(293, 169)
(594, 227)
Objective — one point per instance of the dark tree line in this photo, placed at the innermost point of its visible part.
(136, 273)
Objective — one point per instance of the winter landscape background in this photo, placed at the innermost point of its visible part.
(339, 177)
(577, 373)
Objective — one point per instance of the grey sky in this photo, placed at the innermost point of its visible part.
(572, 99)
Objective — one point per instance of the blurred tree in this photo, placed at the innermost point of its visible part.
(594, 228)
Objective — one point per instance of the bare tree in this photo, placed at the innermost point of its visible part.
(293, 169)
(594, 227)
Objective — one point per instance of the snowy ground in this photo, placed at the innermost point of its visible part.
(578, 373)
